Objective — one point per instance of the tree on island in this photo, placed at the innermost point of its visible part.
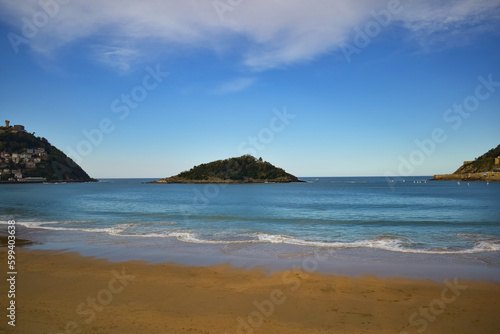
(244, 169)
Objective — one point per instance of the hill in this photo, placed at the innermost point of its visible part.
(26, 158)
(484, 168)
(244, 169)
(484, 163)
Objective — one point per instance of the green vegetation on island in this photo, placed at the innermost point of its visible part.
(27, 158)
(244, 169)
(484, 168)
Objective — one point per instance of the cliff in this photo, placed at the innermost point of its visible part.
(244, 169)
(26, 158)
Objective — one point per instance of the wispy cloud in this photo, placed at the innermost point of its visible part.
(234, 86)
(444, 24)
(117, 57)
(275, 33)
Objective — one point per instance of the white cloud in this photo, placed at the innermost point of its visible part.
(234, 86)
(114, 56)
(263, 33)
(438, 24)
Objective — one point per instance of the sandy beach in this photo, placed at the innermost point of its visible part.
(67, 293)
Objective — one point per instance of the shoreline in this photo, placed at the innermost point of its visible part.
(486, 176)
(49, 182)
(59, 292)
(221, 181)
(272, 257)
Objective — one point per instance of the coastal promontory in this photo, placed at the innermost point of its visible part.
(484, 168)
(25, 158)
(244, 169)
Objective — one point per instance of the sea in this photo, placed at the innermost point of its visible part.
(366, 220)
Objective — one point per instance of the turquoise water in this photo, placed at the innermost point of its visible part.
(414, 216)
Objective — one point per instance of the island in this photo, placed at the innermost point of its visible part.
(484, 168)
(244, 169)
(25, 158)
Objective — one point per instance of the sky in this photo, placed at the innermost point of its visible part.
(319, 87)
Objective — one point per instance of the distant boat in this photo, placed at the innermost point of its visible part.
(458, 183)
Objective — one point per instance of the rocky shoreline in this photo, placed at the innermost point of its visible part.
(486, 176)
(221, 181)
(49, 182)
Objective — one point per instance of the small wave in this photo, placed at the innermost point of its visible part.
(114, 230)
(386, 242)
(285, 239)
(483, 243)
(381, 242)
(183, 236)
(468, 235)
(476, 236)
(487, 246)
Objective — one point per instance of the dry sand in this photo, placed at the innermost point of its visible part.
(67, 293)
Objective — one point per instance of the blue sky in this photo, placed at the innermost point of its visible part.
(320, 88)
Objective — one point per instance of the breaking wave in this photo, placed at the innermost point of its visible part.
(391, 243)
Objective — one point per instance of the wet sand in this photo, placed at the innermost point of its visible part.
(67, 293)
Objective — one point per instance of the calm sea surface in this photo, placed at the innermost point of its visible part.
(414, 216)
